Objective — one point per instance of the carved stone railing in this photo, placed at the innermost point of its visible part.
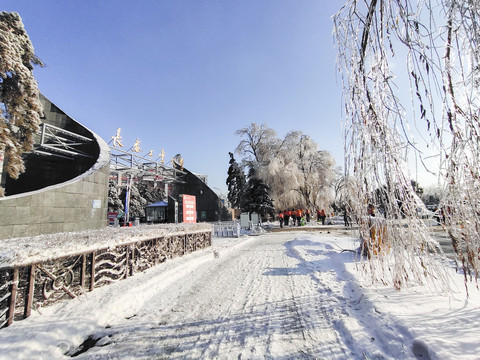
(29, 286)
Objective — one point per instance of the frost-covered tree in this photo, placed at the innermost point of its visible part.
(149, 192)
(257, 198)
(430, 49)
(300, 174)
(296, 172)
(257, 145)
(114, 201)
(343, 187)
(432, 195)
(236, 183)
(20, 107)
(137, 202)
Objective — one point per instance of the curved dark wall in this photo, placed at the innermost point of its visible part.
(41, 170)
(58, 195)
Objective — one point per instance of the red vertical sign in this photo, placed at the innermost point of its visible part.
(189, 209)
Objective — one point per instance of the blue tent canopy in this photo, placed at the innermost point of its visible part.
(158, 204)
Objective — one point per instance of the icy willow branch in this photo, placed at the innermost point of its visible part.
(461, 202)
(373, 111)
(366, 34)
(448, 73)
(399, 246)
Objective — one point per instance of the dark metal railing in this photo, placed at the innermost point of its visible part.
(27, 287)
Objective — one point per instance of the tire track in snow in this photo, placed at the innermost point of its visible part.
(345, 307)
(255, 301)
(311, 306)
(262, 315)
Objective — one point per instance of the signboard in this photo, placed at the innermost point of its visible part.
(255, 218)
(111, 217)
(245, 220)
(189, 209)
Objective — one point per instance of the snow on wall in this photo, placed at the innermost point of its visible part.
(39, 271)
(21, 251)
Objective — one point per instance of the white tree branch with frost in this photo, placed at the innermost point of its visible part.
(442, 62)
(296, 172)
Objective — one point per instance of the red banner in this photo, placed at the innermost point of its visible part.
(189, 209)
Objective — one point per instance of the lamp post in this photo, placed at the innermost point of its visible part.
(127, 199)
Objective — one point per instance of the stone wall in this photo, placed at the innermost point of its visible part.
(79, 203)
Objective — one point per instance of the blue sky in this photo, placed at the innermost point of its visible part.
(185, 75)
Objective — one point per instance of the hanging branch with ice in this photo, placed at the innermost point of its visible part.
(443, 69)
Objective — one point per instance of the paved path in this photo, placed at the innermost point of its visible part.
(251, 302)
(283, 295)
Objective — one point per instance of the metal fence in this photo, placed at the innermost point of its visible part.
(229, 229)
(31, 286)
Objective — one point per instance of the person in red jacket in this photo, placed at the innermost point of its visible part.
(280, 218)
(299, 217)
(286, 217)
(323, 216)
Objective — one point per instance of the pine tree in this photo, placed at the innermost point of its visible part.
(114, 202)
(137, 202)
(149, 193)
(257, 198)
(236, 183)
(20, 107)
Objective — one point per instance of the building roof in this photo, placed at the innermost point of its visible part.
(157, 204)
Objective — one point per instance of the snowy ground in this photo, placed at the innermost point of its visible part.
(285, 295)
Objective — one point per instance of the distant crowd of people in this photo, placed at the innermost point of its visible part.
(299, 217)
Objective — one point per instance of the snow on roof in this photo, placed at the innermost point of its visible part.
(27, 250)
(159, 203)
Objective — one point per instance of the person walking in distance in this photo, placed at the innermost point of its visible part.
(286, 217)
(345, 217)
(371, 210)
(323, 216)
(280, 218)
(299, 217)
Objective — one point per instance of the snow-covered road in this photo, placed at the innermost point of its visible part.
(288, 295)
(254, 301)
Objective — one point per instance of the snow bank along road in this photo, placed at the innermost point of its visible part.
(284, 295)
